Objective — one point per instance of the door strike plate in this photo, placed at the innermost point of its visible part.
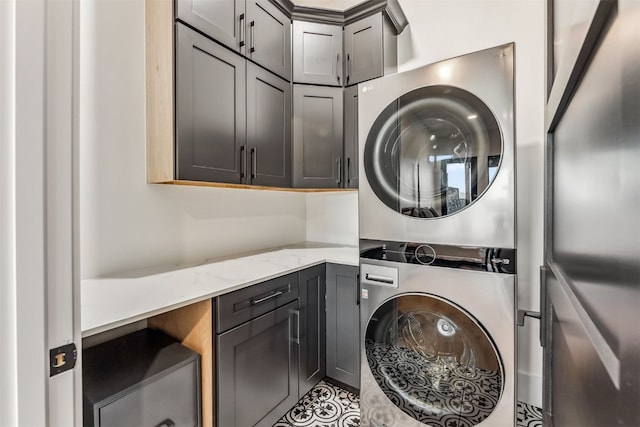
(62, 359)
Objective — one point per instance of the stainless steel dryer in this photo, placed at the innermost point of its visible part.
(437, 335)
(436, 152)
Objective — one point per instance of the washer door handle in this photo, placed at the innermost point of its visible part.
(381, 279)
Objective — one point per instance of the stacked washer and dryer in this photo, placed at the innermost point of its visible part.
(437, 244)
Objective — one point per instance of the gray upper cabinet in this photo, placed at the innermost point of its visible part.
(343, 324)
(210, 113)
(351, 137)
(317, 53)
(269, 37)
(317, 137)
(223, 20)
(370, 49)
(268, 128)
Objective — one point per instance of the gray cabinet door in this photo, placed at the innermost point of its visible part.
(317, 53)
(317, 137)
(268, 128)
(363, 50)
(269, 37)
(210, 109)
(223, 20)
(343, 324)
(351, 137)
(258, 369)
(312, 327)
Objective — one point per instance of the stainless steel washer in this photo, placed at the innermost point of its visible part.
(438, 335)
(436, 152)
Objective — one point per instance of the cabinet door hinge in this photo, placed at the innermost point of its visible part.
(62, 359)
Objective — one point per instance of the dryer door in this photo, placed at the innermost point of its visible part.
(433, 152)
(433, 361)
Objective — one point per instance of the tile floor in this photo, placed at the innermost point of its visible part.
(327, 405)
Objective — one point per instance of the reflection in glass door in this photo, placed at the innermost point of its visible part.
(430, 152)
(433, 361)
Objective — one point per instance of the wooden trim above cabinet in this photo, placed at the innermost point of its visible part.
(159, 29)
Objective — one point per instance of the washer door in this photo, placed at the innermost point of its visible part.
(432, 152)
(433, 361)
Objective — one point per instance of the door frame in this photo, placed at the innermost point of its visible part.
(39, 212)
(560, 87)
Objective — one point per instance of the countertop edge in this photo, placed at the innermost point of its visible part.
(138, 315)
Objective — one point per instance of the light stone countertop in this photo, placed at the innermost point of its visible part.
(114, 301)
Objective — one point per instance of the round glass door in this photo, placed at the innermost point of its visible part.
(433, 152)
(433, 361)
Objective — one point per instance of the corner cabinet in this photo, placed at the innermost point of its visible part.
(370, 49)
(210, 109)
(343, 324)
(312, 288)
(351, 137)
(317, 137)
(317, 53)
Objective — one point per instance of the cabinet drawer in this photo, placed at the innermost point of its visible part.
(169, 401)
(245, 304)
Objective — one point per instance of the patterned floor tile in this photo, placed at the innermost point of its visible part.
(327, 405)
(528, 415)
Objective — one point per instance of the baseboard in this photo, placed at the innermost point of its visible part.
(530, 389)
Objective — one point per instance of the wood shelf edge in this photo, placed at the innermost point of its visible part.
(193, 327)
(252, 187)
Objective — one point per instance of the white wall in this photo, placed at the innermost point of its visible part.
(333, 218)
(125, 223)
(440, 29)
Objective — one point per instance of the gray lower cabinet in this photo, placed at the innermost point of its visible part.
(370, 49)
(317, 53)
(351, 137)
(210, 109)
(268, 128)
(223, 20)
(312, 327)
(269, 37)
(343, 324)
(258, 369)
(317, 136)
(141, 379)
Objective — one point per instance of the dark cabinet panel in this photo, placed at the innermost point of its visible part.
(363, 49)
(343, 324)
(312, 327)
(317, 53)
(351, 137)
(257, 369)
(317, 136)
(222, 20)
(268, 128)
(144, 378)
(210, 113)
(269, 37)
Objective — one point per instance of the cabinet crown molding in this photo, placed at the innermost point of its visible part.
(391, 9)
